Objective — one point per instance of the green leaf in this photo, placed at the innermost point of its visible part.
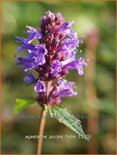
(22, 103)
(63, 116)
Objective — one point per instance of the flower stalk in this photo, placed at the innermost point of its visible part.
(43, 121)
(41, 130)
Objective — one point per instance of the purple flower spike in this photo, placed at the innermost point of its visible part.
(51, 58)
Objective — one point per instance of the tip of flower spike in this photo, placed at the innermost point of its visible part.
(48, 12)
(58, 14)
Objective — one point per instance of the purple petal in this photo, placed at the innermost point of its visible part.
(55, 68)
(78, 64)
(29, 78)
(66, 88)
(27, 63)
(69, 60)
(23, 46)
(68, 48)
(40, 87)
(67, 92)
(20, 48)
(71, 34)
(65, 26)
(32, 34)
(62, 89)
(41, 51)
(34, 58)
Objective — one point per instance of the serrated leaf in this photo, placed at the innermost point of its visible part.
(22, 103)
(63, 116)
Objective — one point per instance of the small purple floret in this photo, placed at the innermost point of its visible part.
(40, 87)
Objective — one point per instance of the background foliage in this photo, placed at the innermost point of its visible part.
(87, 15)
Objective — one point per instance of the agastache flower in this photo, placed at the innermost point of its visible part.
(51, 58)
(61, 89)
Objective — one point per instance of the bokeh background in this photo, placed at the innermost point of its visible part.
(95, 103)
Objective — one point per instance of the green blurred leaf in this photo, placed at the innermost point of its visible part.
(63, 116)
(22, 103)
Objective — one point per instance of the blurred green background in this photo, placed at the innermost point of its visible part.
(89, 17)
